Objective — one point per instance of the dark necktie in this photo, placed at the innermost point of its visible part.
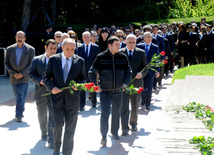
(65, 70)
(147, 49)
(86, 51)
(130, 55)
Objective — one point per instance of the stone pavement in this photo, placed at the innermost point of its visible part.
(160, 131)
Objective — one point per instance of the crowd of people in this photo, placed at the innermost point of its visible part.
(108, 57)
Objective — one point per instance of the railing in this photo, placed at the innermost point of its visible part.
(3, 67)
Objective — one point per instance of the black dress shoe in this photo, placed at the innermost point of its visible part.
(116, 137)
(44, 138)
(18, 120)
(142, 103)
(51, 145)
(82, 109)
(147, 108)
(93, 105)
(125, 132)
(134, 128)
(103, 141)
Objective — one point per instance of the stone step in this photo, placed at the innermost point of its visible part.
(199, 89)
(176, 94)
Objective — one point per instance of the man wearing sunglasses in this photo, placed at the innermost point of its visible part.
(120, 35)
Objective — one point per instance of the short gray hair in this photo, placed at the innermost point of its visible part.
(68, 41)
(58, 32)
(86, 32)
(147, 33)
(131, 36)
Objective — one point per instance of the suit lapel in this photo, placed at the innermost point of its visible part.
(59, 65)
(13, 55)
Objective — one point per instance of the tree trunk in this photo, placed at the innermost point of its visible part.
(26, 14)
(53, 11)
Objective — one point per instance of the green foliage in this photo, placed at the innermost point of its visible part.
(204, 145)
(202, 112)
(184, 8)
(201, 69)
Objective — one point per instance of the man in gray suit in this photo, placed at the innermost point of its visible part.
(44, 105)
(137, 60)
(62, 68)
(19, 57)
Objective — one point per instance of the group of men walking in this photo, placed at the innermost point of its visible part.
(110, 70)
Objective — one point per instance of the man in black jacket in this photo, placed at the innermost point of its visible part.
(114, 73)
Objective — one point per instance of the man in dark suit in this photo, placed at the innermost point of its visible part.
(191, 55)
(44, 105)
(58, 38)
(19, 57)
(120, 35)
(61, 69)
(88, 51)
(210, 44)
(146, 28)
(137, 60)
(63, 37)
(161, 46)
(150, 50)
(169, 48)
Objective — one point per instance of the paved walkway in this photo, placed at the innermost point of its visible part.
(160, 131)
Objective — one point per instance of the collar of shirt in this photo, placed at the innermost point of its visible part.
(149, 45)
(64, 61)
(154, 35)
(120, 44)
(129, 51)
(20, 47)
(46, 58)
(89, 46)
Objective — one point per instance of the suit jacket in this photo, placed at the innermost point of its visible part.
(160, 41)
(167, 48)
(153, 50)
(53, 77)
(94, 51)
(36, 72)
(137, 63)
(193, 39)
(140, 40)
(210, 43)
(123, 45)
(24, 65)
(171, 42)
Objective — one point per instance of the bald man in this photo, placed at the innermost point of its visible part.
(19, 57)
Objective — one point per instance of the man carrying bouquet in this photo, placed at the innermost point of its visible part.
(114, 74)
(61, 69)
(138, 61)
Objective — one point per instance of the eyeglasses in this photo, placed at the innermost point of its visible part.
(72, 36)
(120, 36)
(58, 36)
(127, 31)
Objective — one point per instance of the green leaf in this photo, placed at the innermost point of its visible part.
(71, 90)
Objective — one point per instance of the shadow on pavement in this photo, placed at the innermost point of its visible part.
(40, 149)
(13, 125)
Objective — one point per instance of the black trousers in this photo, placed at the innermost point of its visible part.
(69, 118)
